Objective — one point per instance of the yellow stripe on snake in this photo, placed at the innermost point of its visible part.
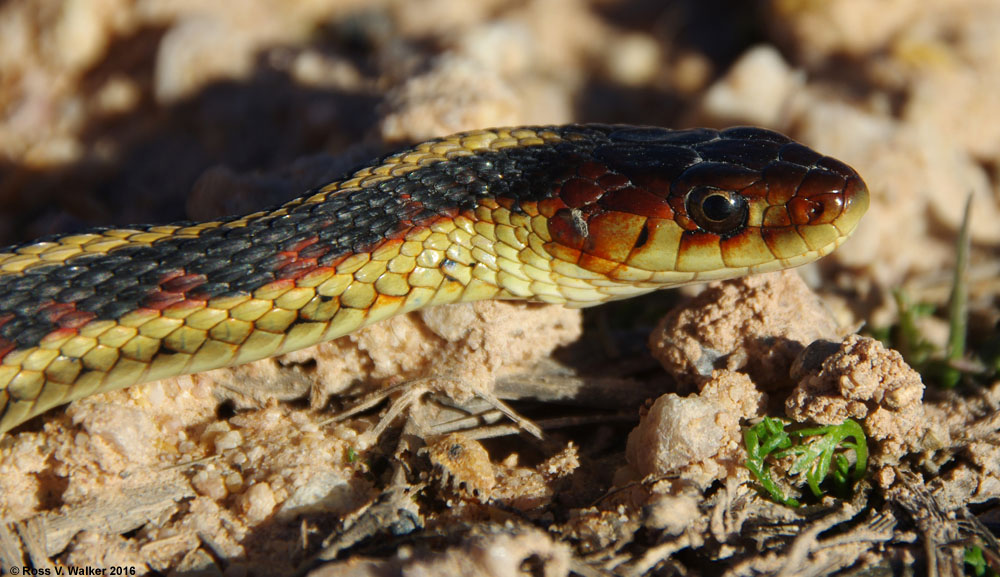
(576, 214)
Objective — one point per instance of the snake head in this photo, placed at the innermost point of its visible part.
(662, 207)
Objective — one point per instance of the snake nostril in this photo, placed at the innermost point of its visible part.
(855, 204)
(820, 209)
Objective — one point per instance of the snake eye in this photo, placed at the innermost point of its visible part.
(718, 211)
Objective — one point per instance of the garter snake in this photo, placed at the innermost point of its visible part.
(576, 214)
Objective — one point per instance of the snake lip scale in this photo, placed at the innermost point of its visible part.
(574, 214)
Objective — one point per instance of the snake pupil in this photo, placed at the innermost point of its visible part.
(717, 207)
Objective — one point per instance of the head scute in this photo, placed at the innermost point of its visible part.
(657, 135)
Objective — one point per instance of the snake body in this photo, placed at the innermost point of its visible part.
(576, 214)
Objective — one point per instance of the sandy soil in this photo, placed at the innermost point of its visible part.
(122, 111)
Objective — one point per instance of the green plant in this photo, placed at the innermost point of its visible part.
(949, 366)
(816, 459)
(976, 563)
